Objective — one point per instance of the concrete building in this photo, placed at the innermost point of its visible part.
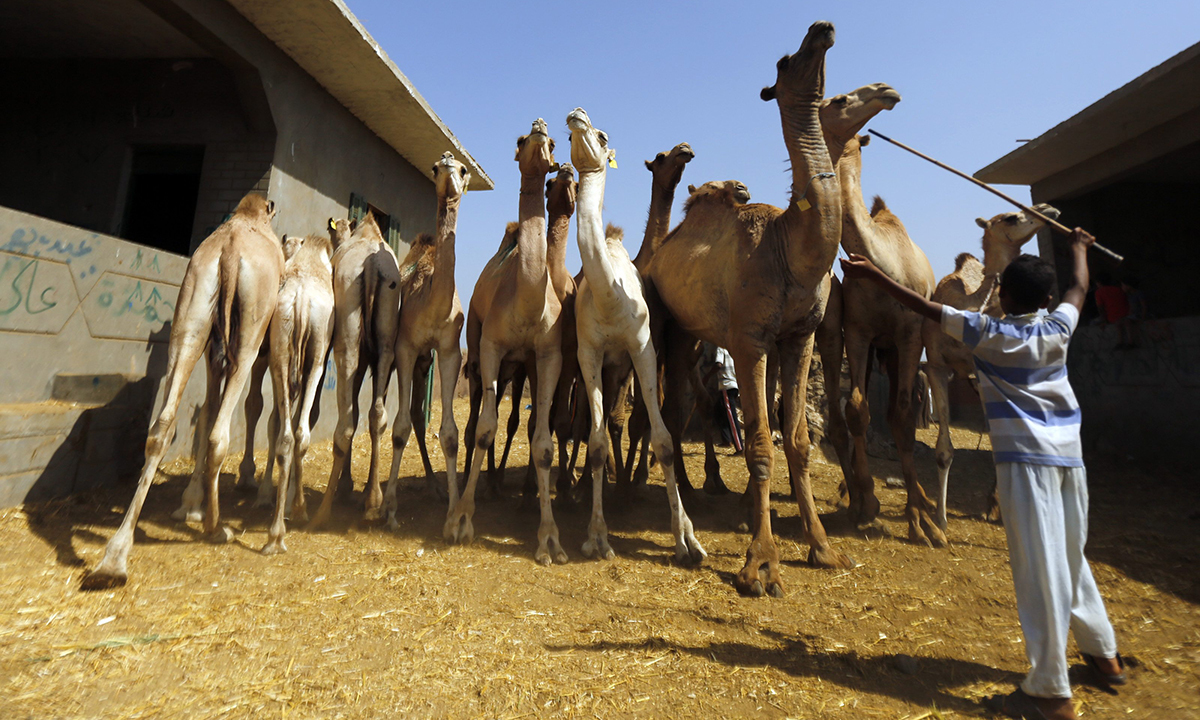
(133, 129)
(1127, 168)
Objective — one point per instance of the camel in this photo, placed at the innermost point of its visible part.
(299, 337)
(755, 278)
(613, 330)
(366, 292)
(515, 313)
(870, 320)
(431, 318)
(971, 286)
(225, 305)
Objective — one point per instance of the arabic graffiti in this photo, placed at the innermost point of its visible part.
(137, 262)
(19, 288)
(150, 306)
(29, 242)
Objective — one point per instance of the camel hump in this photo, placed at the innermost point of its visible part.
(424, 239)
(878, 206)
(614, 233)
(963, 259)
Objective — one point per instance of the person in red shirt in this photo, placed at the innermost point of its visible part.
(1110, 300)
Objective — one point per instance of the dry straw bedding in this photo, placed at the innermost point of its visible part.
(359, 622)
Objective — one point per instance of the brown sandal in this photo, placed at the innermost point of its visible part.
(1021, 706)
(1108, 679)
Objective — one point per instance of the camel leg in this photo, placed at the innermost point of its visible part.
(191, 508)
(304, 426)
(349, 382)
(902, 366)
(541, 453)
(475, 395)
(590, 368)
(864, 506)
(496, 473)
(687, 547)
(751, 367)
(265, 487)
(284, 441)
(406, 358)
(254, 406)
(795, 356)
(189, 335)
(617, 410)
(561, 409)
(449, 359)
(829, 345)
(939, 387)
(250, 337)
(529, 486)
(679, 363)
(458, 527)
(377, 424)
(639, 432)
(714, 484)
(416, 411)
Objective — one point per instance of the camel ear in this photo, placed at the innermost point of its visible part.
(333, 224)
(270, 208)
(691, 189)
(981, 223)
(767, 93)
(864, 140)
(466, 180)
(650, 166)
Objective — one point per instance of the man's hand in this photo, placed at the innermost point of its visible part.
(857, 266)
(1082, 237)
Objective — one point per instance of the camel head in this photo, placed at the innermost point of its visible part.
(1007, 232)
(842, 116)
(589, 146)
(339, 231)
(729, 192)
(256, 206)
(535, 151)
(667, 167)
(290, 246)
(450, 177)
(800, 78)
(560, 190)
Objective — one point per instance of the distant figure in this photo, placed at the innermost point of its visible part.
(1135, 301)
(1110, 300)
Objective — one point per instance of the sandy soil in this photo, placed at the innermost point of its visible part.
(359, 622)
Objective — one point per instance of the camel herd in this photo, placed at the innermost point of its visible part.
(749, 277)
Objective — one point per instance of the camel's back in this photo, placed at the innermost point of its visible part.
(954, 289)
(904, 262)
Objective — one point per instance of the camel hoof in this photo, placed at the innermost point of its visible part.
(936, 537)
(274, 548)
(696, 552)
(220, 536)
(263, 503)
(830, 559)
(775, 590)
(543, 558)
(392, 524)
(373, 515)
(715, 485)
(102, 580)
(246, 486)
(188, 515)
(755, 589)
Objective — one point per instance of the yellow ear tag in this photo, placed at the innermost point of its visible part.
(612, 159)
(333, 224)
(804, 204)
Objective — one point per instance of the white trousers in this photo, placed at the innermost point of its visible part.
(1045, 516)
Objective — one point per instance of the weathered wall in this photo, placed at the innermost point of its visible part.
(84, 324)
(1139, 402)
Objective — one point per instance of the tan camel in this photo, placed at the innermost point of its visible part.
(870, 320)
(225, 304)
(613, 330)
(516, 313)
(299, 337)
(754, 278)
(972, 286)
(366, 292)
(431, 318)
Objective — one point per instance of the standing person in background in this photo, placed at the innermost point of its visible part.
(1135, 301)
(1033, 420)
(1112, 305)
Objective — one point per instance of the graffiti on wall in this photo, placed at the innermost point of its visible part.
(36, 295)
(123, 306)
(28, 241)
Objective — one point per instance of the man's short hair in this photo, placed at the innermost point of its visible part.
(1028, 280)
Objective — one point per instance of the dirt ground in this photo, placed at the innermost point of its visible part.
(360, 622)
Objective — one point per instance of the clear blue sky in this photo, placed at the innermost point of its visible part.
(974, 77)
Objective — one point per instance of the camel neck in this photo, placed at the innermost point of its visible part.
(810, 229)
(593, 250)
(531, 238)
(658, 223)
(556, 246)
(997, 254)
(443, 241)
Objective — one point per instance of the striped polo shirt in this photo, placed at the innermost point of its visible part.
(1021, 362)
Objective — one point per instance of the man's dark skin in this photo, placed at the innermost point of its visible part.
(857, 266)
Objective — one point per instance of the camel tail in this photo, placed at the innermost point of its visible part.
(299, 349)
(962, 259)
(225, 332)
(370, 288)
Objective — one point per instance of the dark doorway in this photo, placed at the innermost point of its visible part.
(160, 206)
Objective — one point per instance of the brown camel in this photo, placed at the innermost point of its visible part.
(515, 313)
(225, 305)
(431, 318)
(870, 320)
(299, 337)
(753, 278)
(972, 286)
(613, 331)
(366, 291)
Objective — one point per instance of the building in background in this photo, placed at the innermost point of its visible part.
(132, 130)
(1127, 168)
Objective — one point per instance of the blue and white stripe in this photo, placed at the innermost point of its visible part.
(1021, 361)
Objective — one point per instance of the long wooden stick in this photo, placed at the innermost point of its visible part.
(1059, 227)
